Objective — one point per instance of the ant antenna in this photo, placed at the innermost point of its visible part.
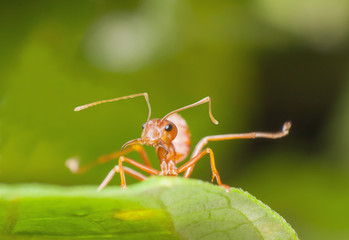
(204, 100)
(116, 99)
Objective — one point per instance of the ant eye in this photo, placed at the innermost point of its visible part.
(143, 125)
(168, 127)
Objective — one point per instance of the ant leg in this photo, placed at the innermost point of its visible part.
(116, 169)
(73, 166)
(189, 171)
(136, 164)
(193, 161)
(122, 170)
(285, 130)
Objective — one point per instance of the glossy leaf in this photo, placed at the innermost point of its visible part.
(159, 208)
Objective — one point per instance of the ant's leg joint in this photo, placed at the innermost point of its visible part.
(122, 174)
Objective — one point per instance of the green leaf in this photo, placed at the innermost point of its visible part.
(159, 208)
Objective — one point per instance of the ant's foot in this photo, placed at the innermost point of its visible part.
(226, 187)
(215, 175)
(286, 127)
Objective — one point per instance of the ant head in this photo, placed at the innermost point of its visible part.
(158, 131)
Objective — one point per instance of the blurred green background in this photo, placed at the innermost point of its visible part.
(262, 62)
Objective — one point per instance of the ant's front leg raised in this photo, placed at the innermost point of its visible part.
(193, 161)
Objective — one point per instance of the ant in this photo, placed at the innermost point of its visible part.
(170, 137)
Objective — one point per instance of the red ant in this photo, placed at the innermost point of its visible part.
(171, 138)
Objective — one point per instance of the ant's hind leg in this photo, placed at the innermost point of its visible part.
(191, 163)
(116, 169)
(285, 130)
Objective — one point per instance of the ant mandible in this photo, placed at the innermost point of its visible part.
(170, 137)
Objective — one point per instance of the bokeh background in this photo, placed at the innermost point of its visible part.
(262, 62)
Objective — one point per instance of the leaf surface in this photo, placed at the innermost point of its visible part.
(159, 208)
